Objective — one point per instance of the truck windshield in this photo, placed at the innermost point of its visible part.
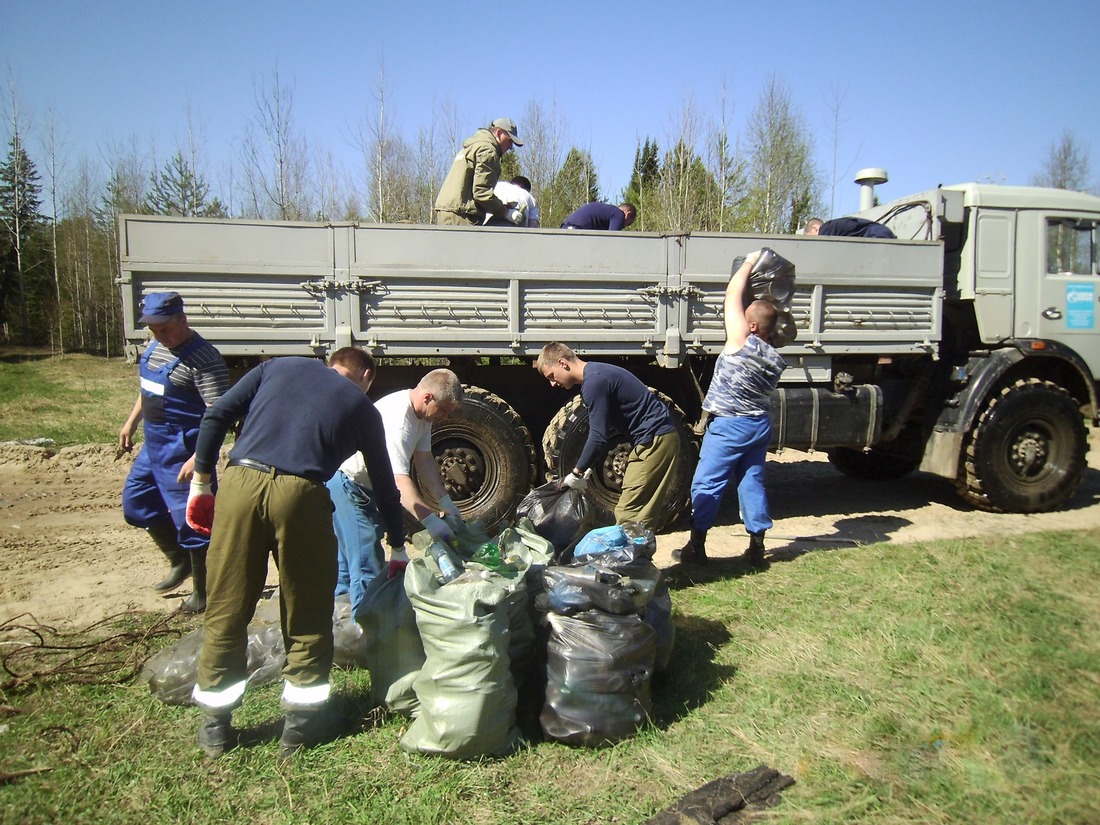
(1071, 247)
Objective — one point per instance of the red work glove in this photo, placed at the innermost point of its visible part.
(200, 507)
(399, 560)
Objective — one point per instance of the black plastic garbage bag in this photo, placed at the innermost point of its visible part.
(562, 516)
(772, 279)
(599, 669)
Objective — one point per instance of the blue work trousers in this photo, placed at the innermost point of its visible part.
(358, 536)
(734, 449)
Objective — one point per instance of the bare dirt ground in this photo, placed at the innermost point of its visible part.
(66, 555)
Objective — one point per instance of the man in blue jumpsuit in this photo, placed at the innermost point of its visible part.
(181, 375)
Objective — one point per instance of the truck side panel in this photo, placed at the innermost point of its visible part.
(259, 288)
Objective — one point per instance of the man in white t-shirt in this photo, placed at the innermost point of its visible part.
(517, 192)
(407, 416)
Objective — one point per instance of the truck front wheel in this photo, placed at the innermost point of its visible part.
(564, 439)
(487, 457)
(1026, 454)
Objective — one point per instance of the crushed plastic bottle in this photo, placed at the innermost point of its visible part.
(450, 568)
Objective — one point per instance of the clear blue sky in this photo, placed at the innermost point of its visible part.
(935, 92)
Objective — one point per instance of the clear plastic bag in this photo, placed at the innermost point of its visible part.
(171, 674)
(599, 669)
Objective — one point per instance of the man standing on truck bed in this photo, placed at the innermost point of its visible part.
(300, 420)
(735, 444)
(181, 375)
(466, 197)
(617, 400)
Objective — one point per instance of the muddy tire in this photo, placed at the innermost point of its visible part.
(1026, 453)
(487, 457)
(564, 439)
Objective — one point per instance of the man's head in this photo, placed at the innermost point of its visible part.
(163, 313)
(559, 365)
(522, 182)
(437, 395)
(813, 226)
(630, 212)
(355, 364)
(763, 317)
(506, 134)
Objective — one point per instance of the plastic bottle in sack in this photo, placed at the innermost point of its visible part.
(450, 568)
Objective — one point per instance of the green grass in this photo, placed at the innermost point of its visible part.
(950, 682)
(71, 399)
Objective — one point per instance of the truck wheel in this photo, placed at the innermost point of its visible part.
(487, 458)
(1026, 454)
(564, 439)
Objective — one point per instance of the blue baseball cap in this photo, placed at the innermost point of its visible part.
(159, 307)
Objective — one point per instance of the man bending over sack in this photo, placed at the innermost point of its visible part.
(300, 420)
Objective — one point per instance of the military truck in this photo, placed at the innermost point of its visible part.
(967, 347)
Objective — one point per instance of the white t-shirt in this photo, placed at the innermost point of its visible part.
(524, 200)
(405, 434)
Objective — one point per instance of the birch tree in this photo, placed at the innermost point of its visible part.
(275, 156)
(782, 178)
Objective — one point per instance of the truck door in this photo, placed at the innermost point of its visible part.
(1068, 308)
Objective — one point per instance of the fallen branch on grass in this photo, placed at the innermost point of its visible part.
(34, 652)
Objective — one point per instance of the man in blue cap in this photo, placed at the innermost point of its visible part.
(181, 375)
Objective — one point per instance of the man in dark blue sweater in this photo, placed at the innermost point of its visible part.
(616, 400)
(301, 419)
(597, 215)
(849, 227)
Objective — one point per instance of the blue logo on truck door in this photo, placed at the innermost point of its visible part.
(1080, 306)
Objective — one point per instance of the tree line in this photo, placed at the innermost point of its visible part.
(59, 250)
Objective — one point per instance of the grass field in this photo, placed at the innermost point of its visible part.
(949, 682)
(70, 399)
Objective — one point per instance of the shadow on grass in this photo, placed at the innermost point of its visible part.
(849, 533)
(349, 713)
(693, 676)
(20, 355)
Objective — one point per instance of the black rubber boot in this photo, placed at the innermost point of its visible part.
(216, 735)
(754, 555)
(165, 537)
(307, 728)
(197, 602)
(695, 551)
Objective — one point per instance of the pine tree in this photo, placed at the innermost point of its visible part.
(646, 173)
(575, 185)
(20, 215)
(179, 190)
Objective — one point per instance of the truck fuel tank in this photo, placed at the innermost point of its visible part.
(815, 419)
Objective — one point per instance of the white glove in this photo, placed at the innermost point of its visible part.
(575, 482)
(399, 560)
(447, 505)
(513, 215)
(438, 528)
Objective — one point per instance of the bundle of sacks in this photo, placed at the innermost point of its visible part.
(451, 642)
